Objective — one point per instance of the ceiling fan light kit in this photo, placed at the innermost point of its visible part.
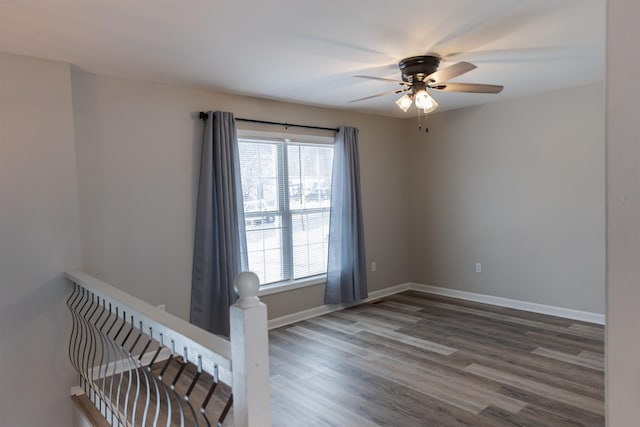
(422, 99)
(421, 73)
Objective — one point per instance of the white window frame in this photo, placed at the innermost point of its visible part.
(288, 285)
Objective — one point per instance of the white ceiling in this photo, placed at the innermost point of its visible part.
(307, 51)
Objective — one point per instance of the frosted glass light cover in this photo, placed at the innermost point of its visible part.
(423, 100)
(432, 105)
(404, 102)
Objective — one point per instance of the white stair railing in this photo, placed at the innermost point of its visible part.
(140, 366)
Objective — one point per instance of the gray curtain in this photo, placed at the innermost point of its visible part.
(220, 243)
(346, 269)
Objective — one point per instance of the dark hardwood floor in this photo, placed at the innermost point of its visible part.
(415, 359)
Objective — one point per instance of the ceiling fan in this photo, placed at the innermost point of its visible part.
(420, 73)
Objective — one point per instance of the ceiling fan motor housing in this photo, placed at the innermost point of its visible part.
(415, 68)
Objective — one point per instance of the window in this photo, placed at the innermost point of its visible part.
(286, 190)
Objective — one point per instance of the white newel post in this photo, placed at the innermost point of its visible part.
(250, 355)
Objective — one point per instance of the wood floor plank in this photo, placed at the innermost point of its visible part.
(376, 329)
(413, 341)
(545, 404)
(430, 299)
(514, 319)
(298, 367)
(565, 343)
(331, 408)
(330, 322)
(405, 353)
(332, 342)
(448, 388)
(583, 359)
(582, 402)
(573, 384)
(398, 306)
(596, 357)
(383, 312)
(527, 359)
(528, 418)
(442, 328)
(393, 404)
(381, 346)
(371, 321)
(590, 331)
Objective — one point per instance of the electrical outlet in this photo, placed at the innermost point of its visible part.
(373, 266)
(478, 267)
(161, 307)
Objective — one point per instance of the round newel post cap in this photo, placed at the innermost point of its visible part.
(247, 285)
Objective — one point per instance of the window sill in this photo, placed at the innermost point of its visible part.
(276, 288)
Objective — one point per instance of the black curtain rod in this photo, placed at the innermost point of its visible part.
(204, 116)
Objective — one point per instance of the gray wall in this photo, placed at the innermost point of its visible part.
(138, 147)
(519, 187)
(39, 240)
(623, 214)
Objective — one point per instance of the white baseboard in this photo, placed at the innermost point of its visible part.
(567, 313)
(324, 309)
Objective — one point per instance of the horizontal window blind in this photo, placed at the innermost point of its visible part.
(286, 190)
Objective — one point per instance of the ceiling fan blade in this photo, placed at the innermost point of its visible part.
(400, 82)
(486, 24)
(467, 87)
(518, 55)
(380, 94)
(448, 73)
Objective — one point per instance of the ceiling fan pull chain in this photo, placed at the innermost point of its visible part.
(426, 129)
